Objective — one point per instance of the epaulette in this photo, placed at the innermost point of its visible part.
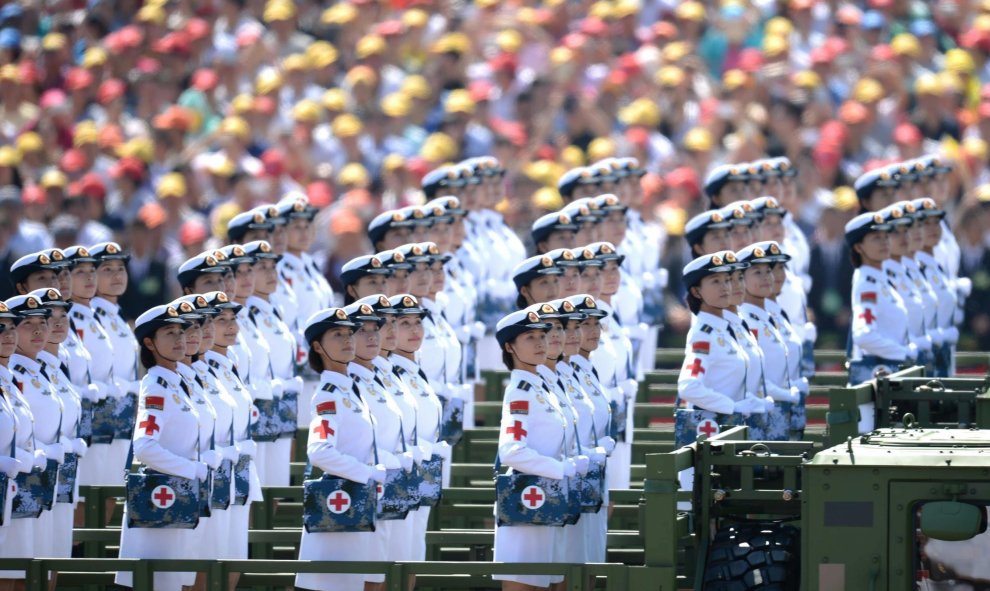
(20, 368)
(329, 387)
(524, 386)
(254, 310)
(754, 316)
(871, 279)
(162, 383)
(890, 273)
(78, 314)
(705, 328)
(213, 363)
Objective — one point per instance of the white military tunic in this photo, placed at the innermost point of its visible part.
(623, 392)
(19, 537)
(340, 443)
(100, 466)
(165, 440)
(531, 441)
(257, 375)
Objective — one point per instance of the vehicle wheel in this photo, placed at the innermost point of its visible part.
(763, 556)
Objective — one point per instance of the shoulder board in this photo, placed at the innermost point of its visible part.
(77, 314)
(706, 328)
(871, 279)
(20, 369)
(524, 386)
(213, 363)
(254, 310)
(753, 316)
(328, 387)
(890, 273)
(162, 383)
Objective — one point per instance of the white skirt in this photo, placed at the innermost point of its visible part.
(103, 464)
(272, 460)
(237, 532)
(417, 533)
(19, 543)
(339, 547)
(63, 516)
(618, 466)
(526, 543)
(166, 544)
(593, 529)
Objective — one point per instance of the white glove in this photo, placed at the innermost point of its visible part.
(211, 458)
(580, 464)
(202, 471)
(478, 330)
(229, 453)
(596, 455)
(277, 388)
(405, 460)
(79, 447)
(378, 473)
(912, 352)
(296, 385)
(96, 392)
(390, 461)
(247, 447)
(570, 468)
(629, 388)
(55, 451)
(417, 454)
(463, 333)
(749, 405)
(810, 332)
(40, 459)
(444, 450)
(607, 443)
(803, 386)
(124, 387)
(964, 286)
(793, 394)
(768, 403)
(9, 466)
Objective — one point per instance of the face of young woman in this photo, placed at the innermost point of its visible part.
(759, 281)
(715, 240)
(32, 336)
(457, 233)
(84, 280)
(396, 237)
(243, 281)
(715, 290)
(570, 282)
(397, 282)
(740, 237)
(387, 334)
(64, 283)
(555, 339)
(225, 329)
(779, 272)
(587, 233)
(367, 341)
(420, 280)
(194, 337)
(932, 231)
(266, 277)
(369, 285)
(591, 281)
(58, 326)
(441, 234)
(208, 335)
(611, 278)
(279, 238)
(916, 238)
(408, 333)
(772, 228)
(297, 235)
(591, 332)
(439, 281)
(559, 239)
(542, 289)
(338, 344)
(8, 338)
(169, 342)
(111, 278)
(530, 347)
(42, 279)
(208, 282)
(614, 227)
(572, 337)
(229, 283)
(737, 285)
(875, 247)
(899, 241)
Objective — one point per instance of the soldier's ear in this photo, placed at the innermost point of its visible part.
(21, 289)
(694, 291)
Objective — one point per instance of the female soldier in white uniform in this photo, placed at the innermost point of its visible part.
(10, 466)
(537, 280)
(67, 493)
(531, 441)
(166, 440)
(796, 370)
(341, 442)
(111, 282)
(17, 541)
(945, 292)
(429, 408)
(879, 339)
(363, 276)
(281, 348)
(912, 270)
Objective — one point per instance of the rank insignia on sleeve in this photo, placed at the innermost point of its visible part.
(868, 297)
(326, 408)
(701, 348)
(154, 403)
(519, 407)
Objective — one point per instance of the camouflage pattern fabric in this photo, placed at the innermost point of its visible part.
(35, 491)
(778, 422)
(941, 360)
(267, 426)
(66, 481)
(452, 422)
(124, 416)
(757, 424)
(104, 424)
(686, 423)
(617, 426)
(398, 495)
(356, 503)
(592, 489)
(222, 481)
(807, 359)
(799, 419)
(524, 499)
(288, 412)
(162, 501)
(242, 480)
(431, 473)
(865, 369)
(86, 421)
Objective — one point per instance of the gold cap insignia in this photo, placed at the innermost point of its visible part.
(589, 302)
(185, 307)
(774, 249)
(259, 218)
(396, 217)
(546, 262)
(909, 208)
(222, 297)
(43, 259)
(366, 309)
(716, 218)
(716, 260)
(758, 252)
(171, 311)
(730, 257)
(567, 306)
(772, 203)
(417, 250)
(32, 302)
(340, 314)
(218, 255)
(533, 317)
(112, 248)
(53, 295)
(408, 302)
(265, 247)
(3, 307)
(210, 261)
(398, 257)
(298, 206)
(896, 213)
(563, 219)
(547, 309)
(57, 255)
(238, 251)
(418, 214)
(201, 302)
(567, 255)
(877, 218)
(375, 263)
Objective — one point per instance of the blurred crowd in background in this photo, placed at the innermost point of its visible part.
(152, 123)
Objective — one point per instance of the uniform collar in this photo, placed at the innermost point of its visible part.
(604, 306)
(200, 366)
(337, 379)
(360, 372)
(893, 266)
(716, 322)
(872, 272)
(78, 308)
(772, 307)
(383, 365)
(549, 376)
(31, 365)
(186, 371)
(428, 304)
(223, 360)
(518, 375)
(731, 317)
(103, 305)
(256, 302)
(565, 369)
(760, 313)
(582, 362)
(291, 260)
(925, 259)
(406, 364)
(49, 359)
(167, 375)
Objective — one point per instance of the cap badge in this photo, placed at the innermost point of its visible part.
(589, 302)
(398, 257)
(396, 217)
(259, 218)
(533, 317)
(112, 248)
(730, 258)
(408, 301)
(567, 256)
(171, 311)
(31, 302)
(877, 218)
(366, 309)
(222, 297)
(546, 262)
(201, 302)
(340, 314)
(210, 261)
(375, 263)
(185, 307)
(265, 247)
(716, 260)
(758, 252)
(547, 309)
(57, 255)
(43, 259)
(383, 301)
(774, 249)
(238, 251)
(53, 295)
(567, 306)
